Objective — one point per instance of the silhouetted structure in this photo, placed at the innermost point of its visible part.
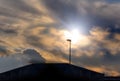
(111, 78)
(69, 40)
(51, 72)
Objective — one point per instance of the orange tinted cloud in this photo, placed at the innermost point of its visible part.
(34, 24)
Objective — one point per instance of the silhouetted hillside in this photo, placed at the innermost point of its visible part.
(48, 72)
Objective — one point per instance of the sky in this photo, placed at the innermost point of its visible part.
(44, 26)
(27, 57)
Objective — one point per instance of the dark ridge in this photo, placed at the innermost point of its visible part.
(51, 72)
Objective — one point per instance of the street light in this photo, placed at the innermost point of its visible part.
(69, 40)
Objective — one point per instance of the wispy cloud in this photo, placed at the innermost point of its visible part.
(41, 24)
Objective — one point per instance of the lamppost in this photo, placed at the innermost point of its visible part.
(69, 40)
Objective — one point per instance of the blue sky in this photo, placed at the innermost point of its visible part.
(113, 1)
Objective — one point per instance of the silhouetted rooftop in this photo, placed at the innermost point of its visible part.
(51, 71)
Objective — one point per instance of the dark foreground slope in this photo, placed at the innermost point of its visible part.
(51, 72)
(112, 78)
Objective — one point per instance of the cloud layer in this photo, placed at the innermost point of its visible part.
(40, 24)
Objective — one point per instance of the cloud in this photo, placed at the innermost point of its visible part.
(3, 50)
(33, 56)
(9, 31)
(28, 56)
(93, 12)
(40, 24)
(20, 5)
(100, 53)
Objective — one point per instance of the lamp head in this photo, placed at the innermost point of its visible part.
(69, 40)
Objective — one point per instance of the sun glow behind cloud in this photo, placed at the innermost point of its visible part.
(77, 38)
(73, 35)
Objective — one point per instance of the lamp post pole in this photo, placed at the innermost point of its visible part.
(69, 40)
